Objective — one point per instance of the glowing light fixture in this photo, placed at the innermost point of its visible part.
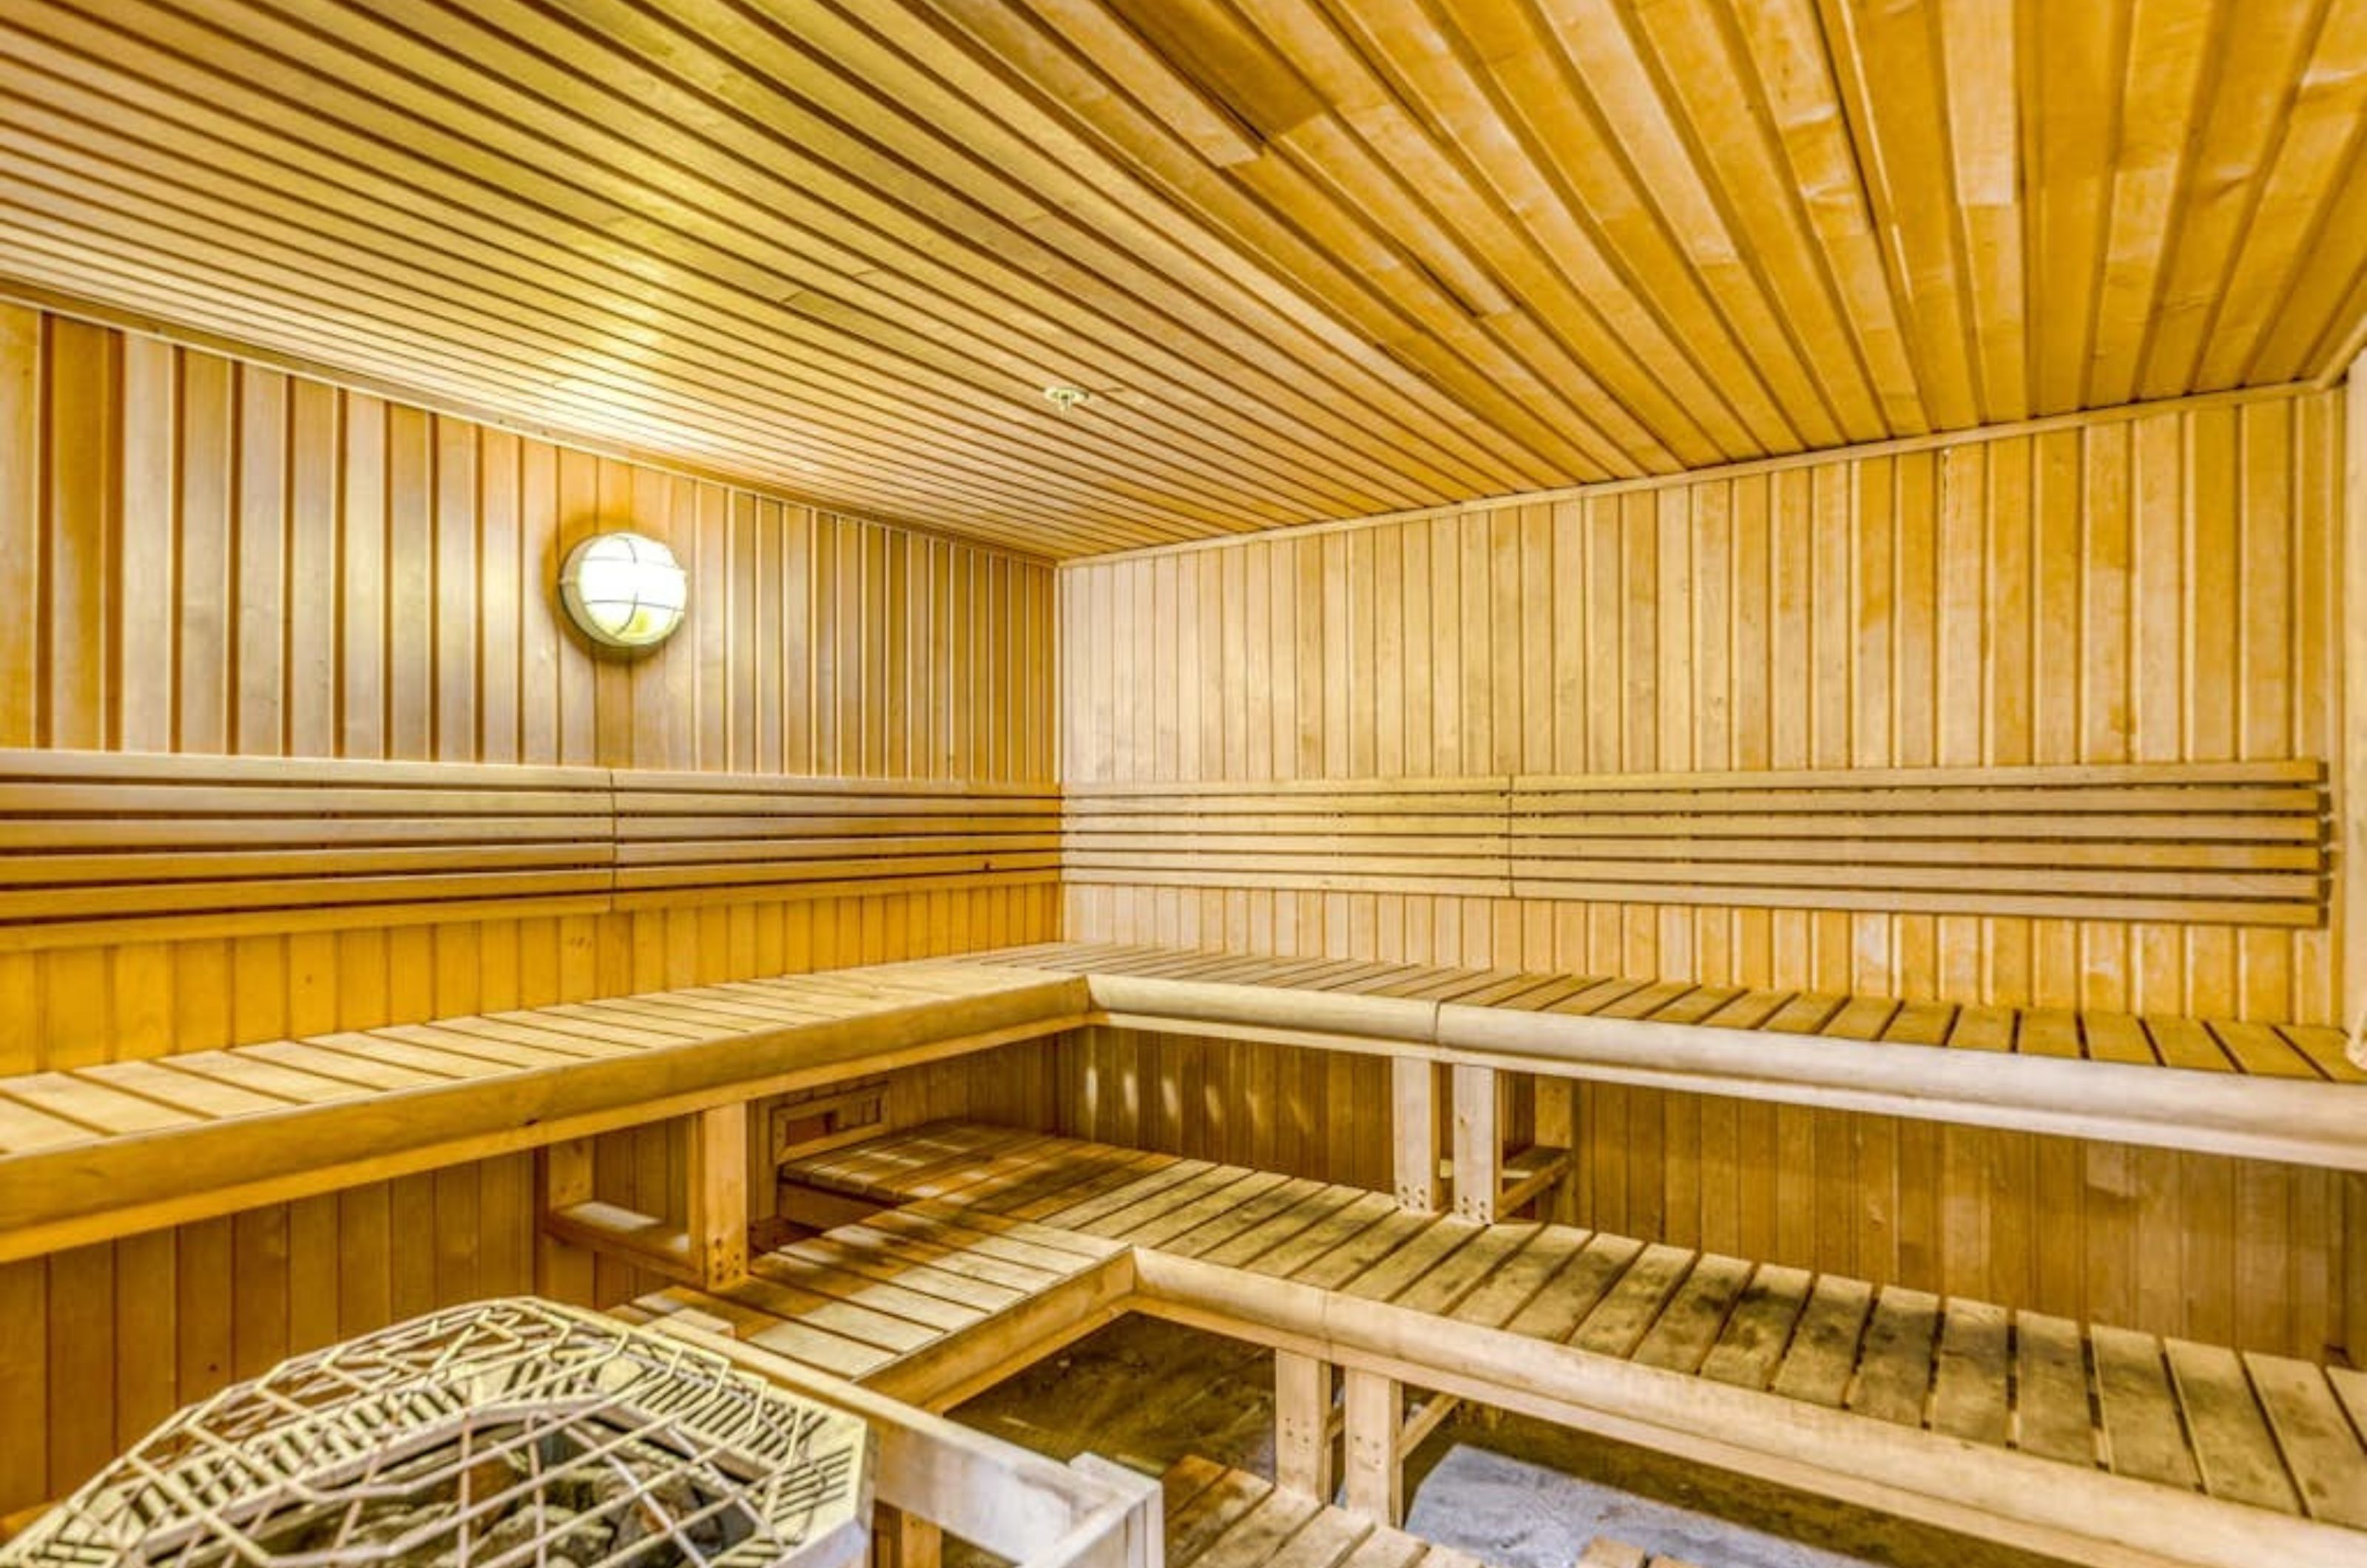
(624, 590)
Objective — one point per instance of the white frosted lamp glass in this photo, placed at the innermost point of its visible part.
(624, 590)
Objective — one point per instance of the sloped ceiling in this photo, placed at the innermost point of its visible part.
(1313, 258)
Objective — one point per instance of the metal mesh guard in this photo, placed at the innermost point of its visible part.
(498, 1434)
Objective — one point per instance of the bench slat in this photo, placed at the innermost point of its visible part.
(2254, 1432)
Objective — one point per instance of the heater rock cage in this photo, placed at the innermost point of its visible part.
(498, 1435)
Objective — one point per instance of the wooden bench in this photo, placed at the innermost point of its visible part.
(2088, 1441)
(2222, 1086)
(105, 1150)
(926, 1309)
(2237, 843)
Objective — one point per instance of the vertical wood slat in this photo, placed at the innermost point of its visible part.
(359, 579)
(2005, 601)
(2029, 598)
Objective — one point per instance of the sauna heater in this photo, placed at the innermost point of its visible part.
(506, 1434)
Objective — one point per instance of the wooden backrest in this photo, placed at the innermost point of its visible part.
(108, 847)
(2239, 843)
(120, 846)
(704, 836)
(2242, 843)
(1443, 836)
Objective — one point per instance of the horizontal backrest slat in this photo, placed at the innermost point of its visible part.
(2240, 842)
(114, 846)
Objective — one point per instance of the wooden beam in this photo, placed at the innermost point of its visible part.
(718, 1195)
(1302, 1425)
(95, 1192)
(643, 1241)
(1413, 1084)
(2351, 784)
(1478, 1144)
(900, 1540)
(1376, 1480)
(1557, 1124)
(1435, 1411)
(563, 1177)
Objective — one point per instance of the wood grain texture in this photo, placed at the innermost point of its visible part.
(2225, 843)
(1314, 260)
(2099, 1232)
(2147, 587)
(226, 561)
(1323, 1276)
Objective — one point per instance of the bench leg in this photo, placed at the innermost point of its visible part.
(1375, 1415)
(1478, 1147)
(718, 1195)
(1557, 1127)
(900, 1539)
(1302, 1425)
(1415, 1130)
(563, 1177)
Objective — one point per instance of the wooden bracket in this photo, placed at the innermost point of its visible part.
(808, 1127)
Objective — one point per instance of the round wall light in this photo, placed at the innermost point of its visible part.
(624, 590)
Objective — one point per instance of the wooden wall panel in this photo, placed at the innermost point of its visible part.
(2150, 585)
(1284, 1108)
(229, 561)
(106, 1340)
(2145, 586)
(219, 558)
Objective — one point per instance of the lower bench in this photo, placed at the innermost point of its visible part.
(2098, 1444)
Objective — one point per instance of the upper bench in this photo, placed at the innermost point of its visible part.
(105, 1150)
(108, 1149)
(2222, 1086)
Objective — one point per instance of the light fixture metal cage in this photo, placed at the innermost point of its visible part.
(496, 1435)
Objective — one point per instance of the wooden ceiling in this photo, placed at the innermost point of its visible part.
(1313, 258)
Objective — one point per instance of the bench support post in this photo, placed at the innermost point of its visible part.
(1413, 1084)
(1556, 1116)
(718, 1195)
(562, 1179)
(1302, 1425)
(900, 1539)
(1478, 1147)
(1374, 1411)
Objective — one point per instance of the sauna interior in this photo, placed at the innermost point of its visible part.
(1108, 784)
